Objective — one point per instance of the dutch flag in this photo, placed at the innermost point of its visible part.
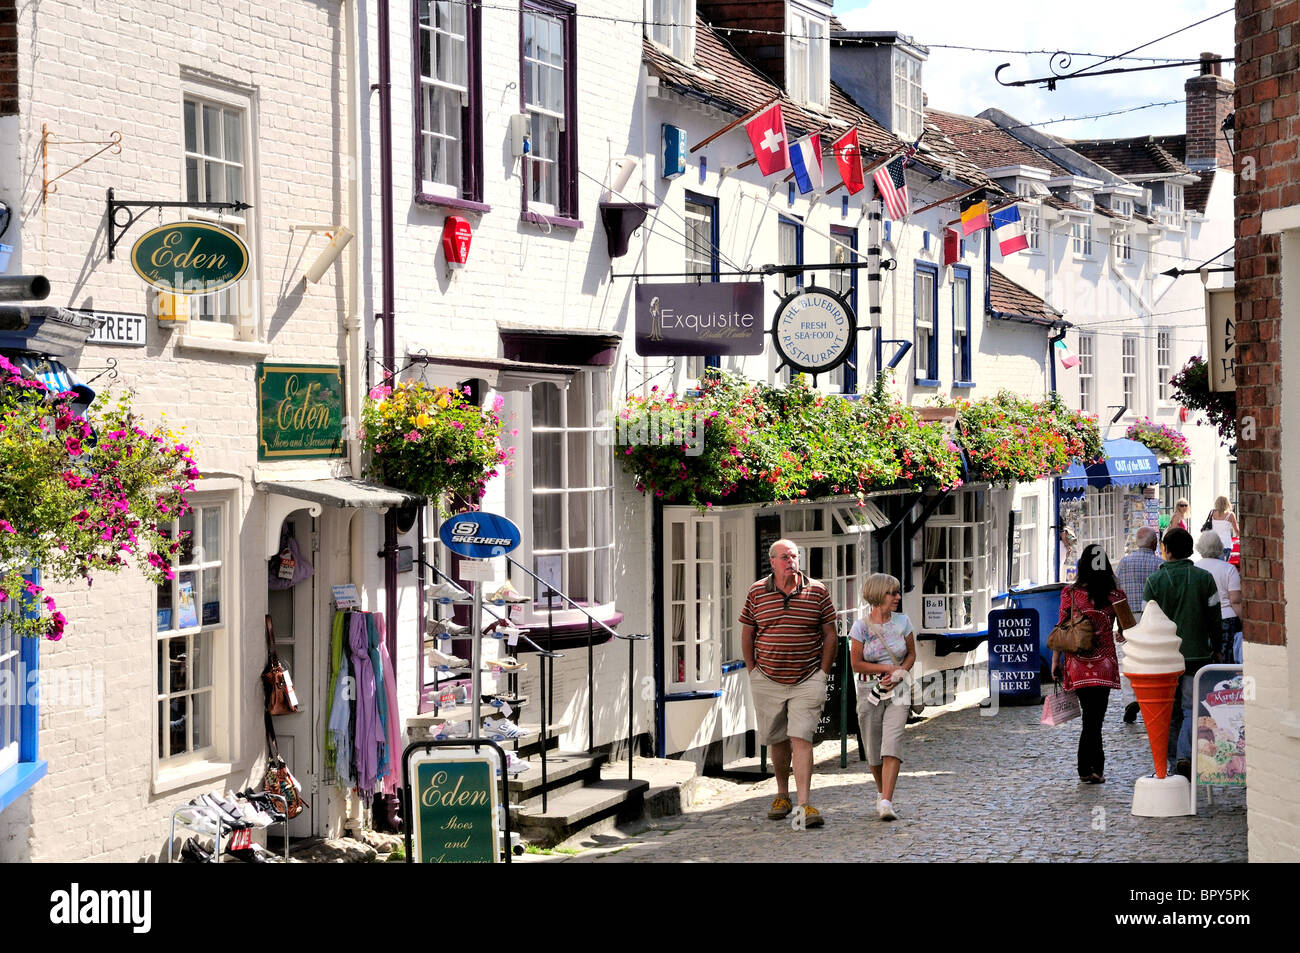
(806, 160)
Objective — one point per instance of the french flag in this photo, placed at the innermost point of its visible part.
(806, 161)
(1010, 231)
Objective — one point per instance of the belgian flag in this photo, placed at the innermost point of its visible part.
(974, 212)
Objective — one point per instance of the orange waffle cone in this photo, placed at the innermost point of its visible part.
(1155, 696)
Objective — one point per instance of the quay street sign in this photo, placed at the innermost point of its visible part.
(191, 258)
(814, 330)
(299, 411)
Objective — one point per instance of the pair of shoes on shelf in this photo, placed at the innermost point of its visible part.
(446, 629)
(193, 853)
(506, 632)
(264, 804)
(459, 729)
(507, 595)
(444, 660)
(506, 663)
(446, 592)
(515, 765)
(502, 729)
(252, 854)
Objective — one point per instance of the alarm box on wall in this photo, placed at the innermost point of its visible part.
(674, 151)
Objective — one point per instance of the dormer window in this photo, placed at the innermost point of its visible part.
(672, 26)
(909, 112)
(1174, 198)
(1121, 206)
(1083, 200)
(807, 77)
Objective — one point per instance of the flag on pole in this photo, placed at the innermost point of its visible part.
(891, 183)
(848, 156)
(806, 161)
(974, 212)
(1009, 229)
(766, 133)
(1063, 352)
(909, 157)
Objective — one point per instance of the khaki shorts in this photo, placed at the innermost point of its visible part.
(882, 725)
(787, 711)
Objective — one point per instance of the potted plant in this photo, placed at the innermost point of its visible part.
(1160, 439)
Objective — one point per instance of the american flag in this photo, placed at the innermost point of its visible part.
(891, 184)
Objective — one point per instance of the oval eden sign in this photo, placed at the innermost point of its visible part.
(190, 258)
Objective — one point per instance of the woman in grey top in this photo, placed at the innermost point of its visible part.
(882, 652)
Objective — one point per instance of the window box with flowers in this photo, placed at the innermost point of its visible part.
(1010, 439)
(1159, 439)
(431, 440)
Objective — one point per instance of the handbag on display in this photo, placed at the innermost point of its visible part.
(1060, 707)
(1075, 634)
(279, 779)
(276, 681)
(289, 568)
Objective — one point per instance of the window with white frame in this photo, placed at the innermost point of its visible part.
(961, 359)
(789, 251)
(909, 113)
(1121, 206)
(1081, 236)
(1031, 214)
(693, 587)
(807, 57)
(217, 169)
(1087, 342)
(955, 567)
(1084, 201)
(571, 495)
(194, 612)
(731, 592)
(1024, 568)
(672, 26)
(448, 156)
(1164, 358)
(1174, 198)
(1098, 520)
(1124, 244)
(13, 688)
(1129, 370)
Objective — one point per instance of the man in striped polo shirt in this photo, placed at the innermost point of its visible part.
(788, 637)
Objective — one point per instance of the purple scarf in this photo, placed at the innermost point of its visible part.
(368, 739)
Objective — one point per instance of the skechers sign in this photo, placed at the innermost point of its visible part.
(699, 318)
(190, 258)
(479, 535)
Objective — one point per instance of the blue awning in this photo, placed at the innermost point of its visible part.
(1073, 481)
(1127, 463)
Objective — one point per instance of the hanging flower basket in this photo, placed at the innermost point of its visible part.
(81, 493)
(1159, 439)
(1011, 439)
(432, 440)
(1191, 388)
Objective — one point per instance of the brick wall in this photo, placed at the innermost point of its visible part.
(1268, 177)
(1209, 101)
(765, 51)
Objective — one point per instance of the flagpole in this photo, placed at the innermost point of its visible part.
(1014, 201)
(866, 173)
(732, 125)
(949, 198)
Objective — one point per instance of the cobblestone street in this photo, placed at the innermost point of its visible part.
(972, 788)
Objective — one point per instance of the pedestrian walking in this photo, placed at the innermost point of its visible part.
(882, 653)
(1190, 598)
(1180, 519)
(788, 638)
(1224, 523)
(1228, 582)
(1131, 575)
(1091, 675)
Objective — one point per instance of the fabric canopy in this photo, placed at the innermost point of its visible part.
(1073, 481)
(1127, 463)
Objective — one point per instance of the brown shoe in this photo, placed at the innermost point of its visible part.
(780, 809)
(812, 817)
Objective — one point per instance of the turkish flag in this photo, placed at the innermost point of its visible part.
(848, 157)
(766, 133)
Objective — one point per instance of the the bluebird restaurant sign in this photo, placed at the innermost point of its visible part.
(703, 317)
(814, 330)
(1013, 654)
(478, 535)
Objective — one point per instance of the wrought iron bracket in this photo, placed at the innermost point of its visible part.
(118, 226)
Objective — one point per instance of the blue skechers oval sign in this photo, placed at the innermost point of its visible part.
(479, 535)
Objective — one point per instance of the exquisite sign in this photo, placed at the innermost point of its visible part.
(814, 330)
(299, 411)
(455, 798)
(479, 535)
(699, 318)
(190, 258)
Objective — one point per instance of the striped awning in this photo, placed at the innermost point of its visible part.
(54, 375)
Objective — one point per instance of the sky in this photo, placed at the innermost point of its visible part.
(961, 81)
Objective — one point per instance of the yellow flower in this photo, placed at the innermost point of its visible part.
(442, 401)
(423, 420)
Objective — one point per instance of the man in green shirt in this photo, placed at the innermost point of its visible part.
(1190, 598)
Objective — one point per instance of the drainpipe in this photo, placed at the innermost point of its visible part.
(1056, 482)
(387, 307)
(354, 339)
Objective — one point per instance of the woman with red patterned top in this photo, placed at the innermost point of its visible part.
(1091, 675)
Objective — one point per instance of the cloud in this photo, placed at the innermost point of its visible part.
(962, 81)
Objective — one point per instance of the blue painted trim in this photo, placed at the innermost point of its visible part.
(932, 357)
(736, 666)
(935, 636)
(962, 372)
(927, 382)
(19, 779)
(691, 696)
(850, 237)
(29, 657)
(963, 384)
(1002, 595)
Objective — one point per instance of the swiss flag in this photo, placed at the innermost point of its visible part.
(766, 133)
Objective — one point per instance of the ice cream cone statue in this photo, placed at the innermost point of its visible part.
(1153, 664)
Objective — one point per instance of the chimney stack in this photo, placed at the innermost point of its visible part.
(1209, 101)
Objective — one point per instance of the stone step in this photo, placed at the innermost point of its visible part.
(561, 766)
(571, 811)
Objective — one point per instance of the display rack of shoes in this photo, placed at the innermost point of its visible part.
(216, 816)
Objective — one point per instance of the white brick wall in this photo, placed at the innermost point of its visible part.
(1272, 757)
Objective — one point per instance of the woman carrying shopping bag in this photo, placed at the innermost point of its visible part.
(882, 652)
(1091, 674)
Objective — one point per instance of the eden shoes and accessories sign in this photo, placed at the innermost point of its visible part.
(694, 318)
(454, 793)
(299, 411)
(190, 258)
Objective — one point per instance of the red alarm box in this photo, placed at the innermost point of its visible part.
(456, 237)
(951, 246)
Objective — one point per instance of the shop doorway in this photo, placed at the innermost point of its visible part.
(293, 617)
